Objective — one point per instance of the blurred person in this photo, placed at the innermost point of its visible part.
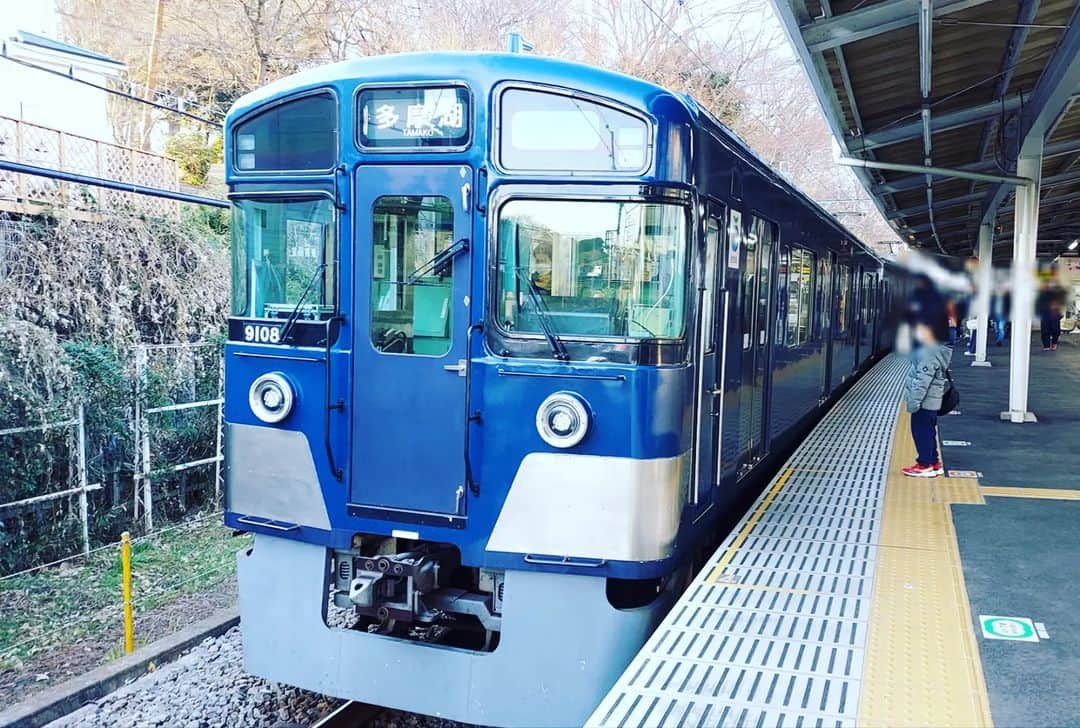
(926, 304)
(923, 393)
(999, 314)
(927, 375)
(1049, 306)
(952, 312)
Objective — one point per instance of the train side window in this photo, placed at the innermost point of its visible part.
(824, 271)
(411, 316)
(712, 248)
(800, 296)
(806, 295)
(749, 295)
(541, 130)
(782, 294)
(843, 306)
(297, 135)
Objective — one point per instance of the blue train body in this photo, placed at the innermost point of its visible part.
(511, 336)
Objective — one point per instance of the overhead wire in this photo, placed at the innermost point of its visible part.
(70, 76)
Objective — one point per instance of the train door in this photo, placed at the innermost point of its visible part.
(713, 301)
(755, 290)
(411, 322)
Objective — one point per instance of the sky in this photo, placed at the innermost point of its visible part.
(36, 16)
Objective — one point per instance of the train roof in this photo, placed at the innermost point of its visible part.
(491, 68)
(467, 66)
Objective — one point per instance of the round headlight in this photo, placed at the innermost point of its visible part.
(271, 397)
(562, 420)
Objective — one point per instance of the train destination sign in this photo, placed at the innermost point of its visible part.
(413, 116)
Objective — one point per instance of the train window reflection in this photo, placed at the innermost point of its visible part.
(592, 269)
(548, 131)
(283, 257)
(293, 136)
(800, 295)
(843, 306)
(411, 299)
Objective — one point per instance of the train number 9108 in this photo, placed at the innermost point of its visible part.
(262, 334)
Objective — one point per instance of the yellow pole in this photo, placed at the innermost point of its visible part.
(129, 619)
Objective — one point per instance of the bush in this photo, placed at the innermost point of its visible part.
(75, 299)
(194, 154)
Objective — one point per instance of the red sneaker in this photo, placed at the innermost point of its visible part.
(939, 469)
(1053, 347)
(922, 471)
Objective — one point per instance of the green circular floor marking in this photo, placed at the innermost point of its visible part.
(1008, 628)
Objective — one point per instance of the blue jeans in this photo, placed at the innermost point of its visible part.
(999, 330)
(924, 433)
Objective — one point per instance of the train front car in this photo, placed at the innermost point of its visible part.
(459, 397)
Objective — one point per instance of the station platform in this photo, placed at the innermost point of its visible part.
(851, 595)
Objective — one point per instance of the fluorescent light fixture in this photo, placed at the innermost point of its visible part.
(1073, 244)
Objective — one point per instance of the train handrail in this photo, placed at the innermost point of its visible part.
(338, 473)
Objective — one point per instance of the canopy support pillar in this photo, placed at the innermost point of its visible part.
(984, 282)
(1025, 235)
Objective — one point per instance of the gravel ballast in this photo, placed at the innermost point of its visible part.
(208, 688)
(205, 688)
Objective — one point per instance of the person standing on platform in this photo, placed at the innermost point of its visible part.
(1000, 315)
(1049, 307)
(927, 378)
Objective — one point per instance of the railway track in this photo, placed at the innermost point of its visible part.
(349, 715)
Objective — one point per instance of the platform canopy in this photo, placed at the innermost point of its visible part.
(935, 101)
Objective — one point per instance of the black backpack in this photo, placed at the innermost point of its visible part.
(951, 399)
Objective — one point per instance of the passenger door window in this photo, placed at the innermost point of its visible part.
(410, 297)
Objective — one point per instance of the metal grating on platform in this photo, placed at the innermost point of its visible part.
(773, 630)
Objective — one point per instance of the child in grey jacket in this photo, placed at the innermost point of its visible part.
(923, 393)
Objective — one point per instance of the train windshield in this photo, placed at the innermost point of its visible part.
(283, 255)
(592, 268)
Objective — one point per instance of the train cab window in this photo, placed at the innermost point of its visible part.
(297, 135)
(592, 269)
(411, 302)
(549, 131)
(284, 257)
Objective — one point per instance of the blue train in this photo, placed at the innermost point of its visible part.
(510, 338)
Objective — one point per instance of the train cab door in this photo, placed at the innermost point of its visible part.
(410, 311)
(755, 294)
(712, 323)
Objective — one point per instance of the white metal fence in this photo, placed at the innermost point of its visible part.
(144, 424)
(77, 424)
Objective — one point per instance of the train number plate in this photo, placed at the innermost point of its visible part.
(262, 333)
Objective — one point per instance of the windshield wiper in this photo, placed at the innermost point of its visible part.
(295, 315)
(437, 261)
(558, 349)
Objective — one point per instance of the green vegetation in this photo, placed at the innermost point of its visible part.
(51, 608)
(194, 154)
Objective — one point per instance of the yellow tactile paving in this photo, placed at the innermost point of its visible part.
(1008, 492)
(922, 663)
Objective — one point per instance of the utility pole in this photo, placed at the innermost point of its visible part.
(151, 72)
